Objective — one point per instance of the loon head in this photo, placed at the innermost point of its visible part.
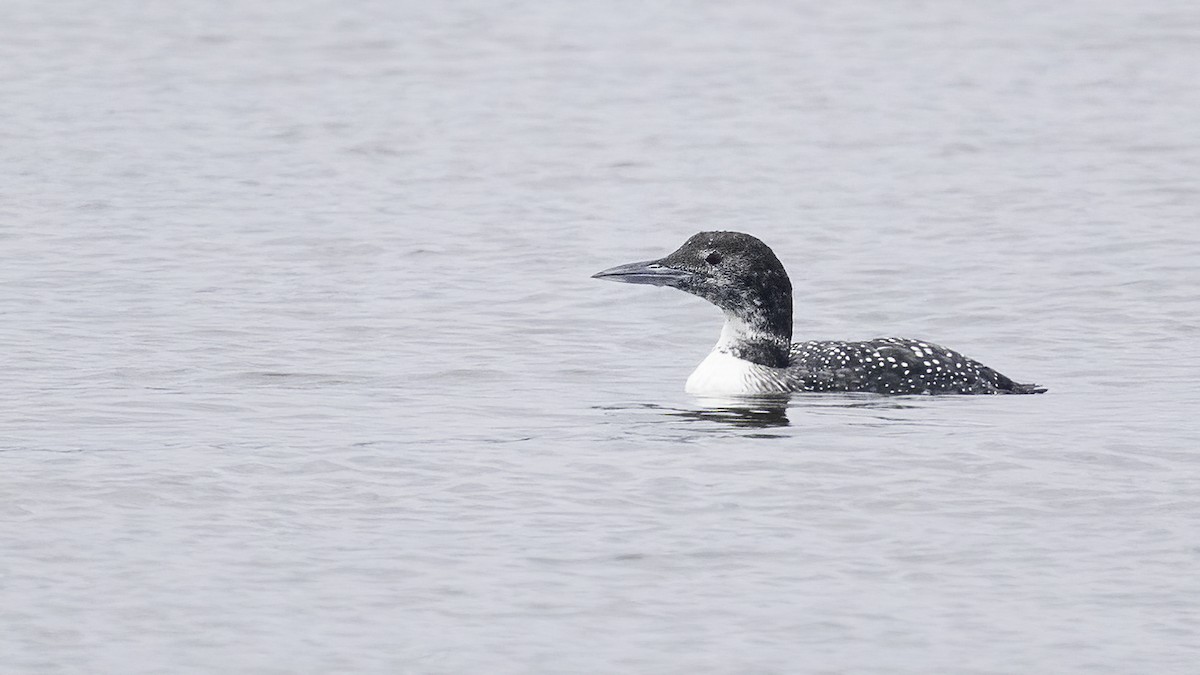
(737, 273)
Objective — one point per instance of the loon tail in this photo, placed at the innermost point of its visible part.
(1004, 385)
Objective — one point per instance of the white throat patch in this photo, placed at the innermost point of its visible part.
(723, 373)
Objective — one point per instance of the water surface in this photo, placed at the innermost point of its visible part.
(304, 370)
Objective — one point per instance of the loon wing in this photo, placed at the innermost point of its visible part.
(895, 366)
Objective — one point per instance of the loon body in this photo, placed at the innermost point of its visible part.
(755, 353)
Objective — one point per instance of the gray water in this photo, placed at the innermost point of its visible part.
(303, 371)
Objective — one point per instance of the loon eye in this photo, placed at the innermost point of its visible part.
(713, 258)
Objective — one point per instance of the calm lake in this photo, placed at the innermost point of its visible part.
(303, 370)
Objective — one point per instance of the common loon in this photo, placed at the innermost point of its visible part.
(756, 355)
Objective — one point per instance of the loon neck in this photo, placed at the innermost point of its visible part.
(756, 341)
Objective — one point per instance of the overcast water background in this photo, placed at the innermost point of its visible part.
(303, 370)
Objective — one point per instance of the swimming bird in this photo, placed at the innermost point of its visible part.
(755, 354)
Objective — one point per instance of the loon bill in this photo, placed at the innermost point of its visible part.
(756, 355)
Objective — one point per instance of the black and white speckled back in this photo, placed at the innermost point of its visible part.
(894, 366)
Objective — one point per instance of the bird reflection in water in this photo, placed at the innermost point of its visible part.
(767, 412)
(752, 412)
